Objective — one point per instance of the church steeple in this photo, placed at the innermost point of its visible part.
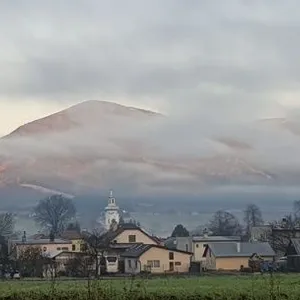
(111, 199)
(111, 211)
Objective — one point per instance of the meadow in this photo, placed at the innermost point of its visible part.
(255, 287)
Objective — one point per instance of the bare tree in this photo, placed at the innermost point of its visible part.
(30, 261)
(282, 232)
(80, 266)
(54, 213)
(96, 243)
(252, 217)
(6, 224)
(6, 231)
(225, 224)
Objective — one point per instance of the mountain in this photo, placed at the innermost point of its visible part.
(97, 145)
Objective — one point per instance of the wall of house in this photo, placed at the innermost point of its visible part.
(60, 262)
(77, 245)
(198, 250)
(184, 243)
(47, 247)
(181, 261)
(209, 263)
(140, 237)
(132, 265)
(229, 263)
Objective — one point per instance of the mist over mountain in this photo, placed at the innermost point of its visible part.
(94, 146)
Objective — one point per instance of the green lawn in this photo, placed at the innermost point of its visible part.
(218, 287)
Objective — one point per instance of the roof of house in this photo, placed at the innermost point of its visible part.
(215, 238)
(38, 236)
(138, 249)
(111, 235)
(232, 249)
(296, 243)
(71, 235)
(121, 246)
(170, 243)
(41, 242)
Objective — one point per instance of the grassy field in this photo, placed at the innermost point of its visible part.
(205, 287)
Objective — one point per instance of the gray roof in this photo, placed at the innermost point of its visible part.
(215, 238)
(170, 243)
(41, 242)
(231, 249)
(138, 249)
(177, 242)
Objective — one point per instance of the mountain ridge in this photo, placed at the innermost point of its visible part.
(97, 145)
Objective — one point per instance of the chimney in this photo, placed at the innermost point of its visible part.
(24, 237)
(238, 247)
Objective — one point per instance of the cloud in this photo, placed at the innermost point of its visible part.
(212, 66)
(212, 56)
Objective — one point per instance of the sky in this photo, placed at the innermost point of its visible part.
(234, 59)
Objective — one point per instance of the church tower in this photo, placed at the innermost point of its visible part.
(111, 211)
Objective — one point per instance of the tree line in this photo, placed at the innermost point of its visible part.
(225, 223)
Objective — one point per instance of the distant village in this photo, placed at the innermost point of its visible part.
(124, 247)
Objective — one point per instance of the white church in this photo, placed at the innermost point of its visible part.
(112, 212)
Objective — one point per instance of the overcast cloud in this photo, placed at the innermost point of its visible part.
(229, 59)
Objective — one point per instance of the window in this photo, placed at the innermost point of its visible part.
(44, 249)
(112, 259)
(204, 245)
(136, 264)
(186, 247)
(73, 247)
(153, 263)
(129, 263)
(132, 238)
(171, 255)
(58, 248)
(177, 263)
(65, 248)
(197, 245)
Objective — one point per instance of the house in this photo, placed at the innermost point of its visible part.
(234, 255)
(197, 244)
(131, 234)
(76, 238)
(59, 262)
(46, 245)
(155, 259)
